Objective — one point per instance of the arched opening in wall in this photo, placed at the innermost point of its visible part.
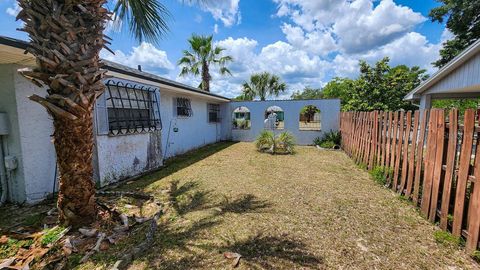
(241, 118)
(310, 118)
(274, 118)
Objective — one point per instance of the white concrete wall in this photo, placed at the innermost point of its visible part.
(193, 132)
(329, 116)
(124, 156)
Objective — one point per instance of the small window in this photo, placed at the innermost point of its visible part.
(184, 107)
(241, 118)
(310, 118)
(213, 113)
(131, 108)
(274, 118)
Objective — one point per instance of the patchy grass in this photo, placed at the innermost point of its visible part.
(311, 210)
(51, 235)
(378, 174)
(448, 239)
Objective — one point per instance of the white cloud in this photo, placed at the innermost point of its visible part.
(226, 11)
(215, 29)
(316, 42)
(13, 11)
(150, 58)
(358, 25)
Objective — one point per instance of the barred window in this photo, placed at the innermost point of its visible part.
(213, 113)
(132, 108)
(184, 108)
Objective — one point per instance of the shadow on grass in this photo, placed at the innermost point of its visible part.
(271, 251)
(175, 164)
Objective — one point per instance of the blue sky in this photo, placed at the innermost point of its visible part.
(306, 42)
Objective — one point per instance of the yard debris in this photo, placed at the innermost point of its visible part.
(124, 227)
(235, 256)
(88, 232)
(7, 262)
(96, 248)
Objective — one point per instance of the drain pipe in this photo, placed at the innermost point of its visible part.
(3, 175)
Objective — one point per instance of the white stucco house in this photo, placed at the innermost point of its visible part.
(460, 78)
(140, 120)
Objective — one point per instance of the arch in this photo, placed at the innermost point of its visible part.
(274, 118)
(241, 118)
(310, 118)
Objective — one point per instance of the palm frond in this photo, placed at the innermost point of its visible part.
(147, 19)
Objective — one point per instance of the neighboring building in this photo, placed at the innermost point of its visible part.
(460, 78)
(140, 120)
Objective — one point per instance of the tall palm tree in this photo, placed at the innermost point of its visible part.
(262, 85)
(202, 54)
(66, 37)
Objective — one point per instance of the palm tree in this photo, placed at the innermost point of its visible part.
(262, 85)
(202, 54)
(66, 37)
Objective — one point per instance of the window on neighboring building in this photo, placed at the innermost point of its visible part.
(241, 118)
(274, 118)
(184, 107)
(309, 118)
(213, 113)
(131, 108)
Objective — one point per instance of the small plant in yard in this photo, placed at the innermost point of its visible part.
(268, 142)
(476, 255)
(448, 239)
(331, 139)
(378, 174)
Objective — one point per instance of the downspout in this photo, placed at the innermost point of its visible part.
(3, 174)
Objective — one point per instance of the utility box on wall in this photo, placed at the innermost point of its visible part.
(4, 126)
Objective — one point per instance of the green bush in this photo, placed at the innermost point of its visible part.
(378, 174)
(327, 144)
(285, 142)
(448, 239)
(282, 143)
(265, 140)
(329, 139)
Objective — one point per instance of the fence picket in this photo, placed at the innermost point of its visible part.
(438, 163)
(411, 161)
(405, 151)
(398, 150)
(419, 161)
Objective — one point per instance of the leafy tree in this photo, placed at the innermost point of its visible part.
(463, 20)
(308, 93)
(309, 112)
(262, 85)
(66, 38)
(460, 104)
(379, 87)
(243, 97)
(201, 56)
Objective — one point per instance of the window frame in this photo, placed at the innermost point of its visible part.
(186, 107)
(315, 127)
(130, 113)
(213, 108)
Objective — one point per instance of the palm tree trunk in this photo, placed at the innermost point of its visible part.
(66, 37)
(205, 77)
(73, 141)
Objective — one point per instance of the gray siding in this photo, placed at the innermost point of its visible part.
(466, 78)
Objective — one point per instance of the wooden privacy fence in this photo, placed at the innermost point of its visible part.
(429, 156)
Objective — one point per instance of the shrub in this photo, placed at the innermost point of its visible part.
(265, 140)
(327, 144)
(329, 140)
(282, 143)
(378, 174)
(285, 142)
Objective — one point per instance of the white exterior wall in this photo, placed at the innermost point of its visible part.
(193, 132)
(124, 156)
(329, 117)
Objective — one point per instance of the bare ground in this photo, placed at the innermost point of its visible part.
(311, 210)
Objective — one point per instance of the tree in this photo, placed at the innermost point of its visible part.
(243, 97)
(262, 85)
(66, 38)
(463, 20)
(379, 87)
(309, 112)
(202, 54)
(308, 93)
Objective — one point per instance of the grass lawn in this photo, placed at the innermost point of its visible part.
(311, 210)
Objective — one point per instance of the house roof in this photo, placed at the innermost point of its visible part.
(119, 69)
(451, 66)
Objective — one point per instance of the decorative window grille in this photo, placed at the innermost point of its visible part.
(184, 107)
(213, 113)
(132, 108)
